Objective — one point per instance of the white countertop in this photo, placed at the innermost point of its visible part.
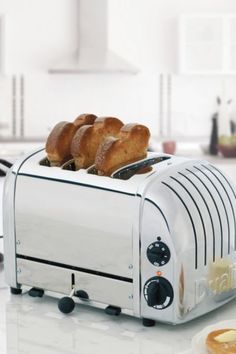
(13, 149)
(195, 151)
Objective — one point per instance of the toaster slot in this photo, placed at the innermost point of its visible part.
(92, 170)
(142, 166)
(69, 165)
(44, 162)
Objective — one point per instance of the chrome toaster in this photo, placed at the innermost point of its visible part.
(159, 245)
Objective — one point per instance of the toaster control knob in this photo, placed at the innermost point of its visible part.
(158, 293)
(158, 253)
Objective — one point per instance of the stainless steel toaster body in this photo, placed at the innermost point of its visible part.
(159, 245)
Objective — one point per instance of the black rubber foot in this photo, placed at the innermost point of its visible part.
(35, 292)
(82, 295)
(66, 304)
(1, 257)
(113, 311)
(148, 323)
(16, 291)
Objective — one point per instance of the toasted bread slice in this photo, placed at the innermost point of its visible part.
(84, 119)
(59, 140)
(88, 138)
(216, 347)
(58, 143)
(130, 146)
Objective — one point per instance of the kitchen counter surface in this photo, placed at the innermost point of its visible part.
(196, 151)
(35, 326)
(15, 149)
(227, 165)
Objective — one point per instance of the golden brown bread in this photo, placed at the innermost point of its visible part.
(58, 143)
(215, 347)
(59, 140)
(88, 138)
(84, 119)
(130, 146)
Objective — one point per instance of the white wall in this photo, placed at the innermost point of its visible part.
(194, 102)
(39, 33)
(146, 31)
(50, 99)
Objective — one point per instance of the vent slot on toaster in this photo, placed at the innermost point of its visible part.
(208, 199)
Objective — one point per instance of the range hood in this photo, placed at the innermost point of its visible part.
(93, 55)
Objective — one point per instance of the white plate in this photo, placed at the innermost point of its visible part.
(198, 341)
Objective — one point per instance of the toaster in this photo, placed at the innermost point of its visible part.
(158, 245)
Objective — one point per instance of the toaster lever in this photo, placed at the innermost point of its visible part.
(113, 310)
(66, 304)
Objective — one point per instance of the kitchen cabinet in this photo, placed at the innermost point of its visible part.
(207, 44)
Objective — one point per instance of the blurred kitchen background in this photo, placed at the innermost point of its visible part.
(158, 62)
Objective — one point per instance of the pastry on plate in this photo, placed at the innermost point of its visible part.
(222, 341)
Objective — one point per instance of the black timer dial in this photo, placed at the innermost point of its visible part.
(158, 253)
(158, 293)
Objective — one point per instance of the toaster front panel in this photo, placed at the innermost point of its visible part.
(74, 225)
(99, 288)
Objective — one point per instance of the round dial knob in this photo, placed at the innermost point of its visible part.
(158, 253)
(158, 293)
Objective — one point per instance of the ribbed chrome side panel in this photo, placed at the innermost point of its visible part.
(209, 202)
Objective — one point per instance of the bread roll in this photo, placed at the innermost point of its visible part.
(130, 146)
(58, 143)
(84, 119)
(88, 138)
(216, 347)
